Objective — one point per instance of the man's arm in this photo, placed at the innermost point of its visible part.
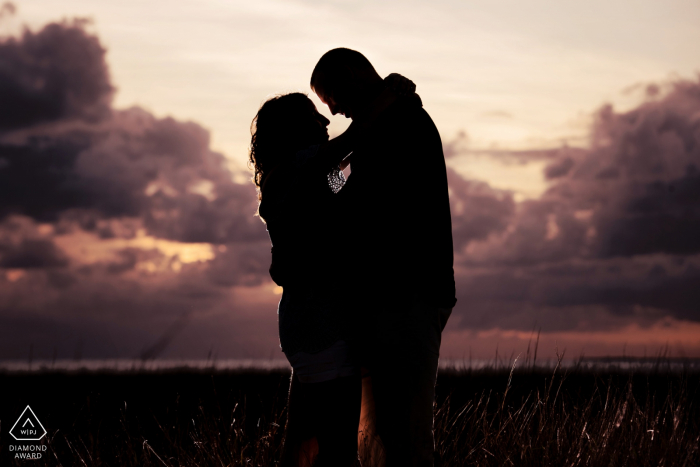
(433, 259)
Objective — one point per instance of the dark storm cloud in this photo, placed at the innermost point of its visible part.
(129, 165)
(660, 216)
(56, 73)
(617, 232)
(477, 209)
(22, 246)
(635, 192)
(658, 285)
(31, 253)
(642, 177)
(614, 239)
(90, 162)
(591, 295)
(71, 163)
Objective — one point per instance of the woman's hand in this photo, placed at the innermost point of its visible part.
(395, 86)
(400, 84)
(403, 87)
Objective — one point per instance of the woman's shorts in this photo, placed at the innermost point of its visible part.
(334, 362)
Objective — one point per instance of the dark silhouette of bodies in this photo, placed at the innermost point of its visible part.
(297, 171)
(399, 267)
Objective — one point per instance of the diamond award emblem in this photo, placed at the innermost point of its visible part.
(27, 427)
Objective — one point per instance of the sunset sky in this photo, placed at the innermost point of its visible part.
(571, 132)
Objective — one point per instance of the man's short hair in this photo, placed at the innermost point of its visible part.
(334, 64)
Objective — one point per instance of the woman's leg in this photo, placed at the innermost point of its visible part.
(300, 446)
(322, 423)
(337, 419)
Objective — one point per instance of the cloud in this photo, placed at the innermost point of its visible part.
(615, 237)
(97, 209)
(71, 155)
(578, 295)
(23, 247)
(126, 222)
(56, 73)
(559, 168)
(130, 164)
(8, 9)
(641, 177)
(477, 209)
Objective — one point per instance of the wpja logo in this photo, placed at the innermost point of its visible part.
(27, 428)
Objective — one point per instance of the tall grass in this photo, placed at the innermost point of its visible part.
(558, 425)
(487, 417)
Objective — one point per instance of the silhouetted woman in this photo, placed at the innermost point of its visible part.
(298, 171)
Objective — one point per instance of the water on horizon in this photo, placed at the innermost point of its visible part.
(275, 364)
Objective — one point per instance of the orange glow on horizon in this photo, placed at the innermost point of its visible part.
(681, 338)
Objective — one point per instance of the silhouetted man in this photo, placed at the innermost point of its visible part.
(398, 263)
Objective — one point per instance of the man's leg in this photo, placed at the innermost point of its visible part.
(406, 346)
(369, 445)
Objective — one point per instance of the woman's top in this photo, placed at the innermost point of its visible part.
(334, 362)
(298, 207)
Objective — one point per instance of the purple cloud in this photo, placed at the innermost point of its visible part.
(56, 73)
(617, 232)
(615, 239)
(70, 163)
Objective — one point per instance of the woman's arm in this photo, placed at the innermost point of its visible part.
(345, 162)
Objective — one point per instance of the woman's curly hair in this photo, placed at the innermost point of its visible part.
(278, 130)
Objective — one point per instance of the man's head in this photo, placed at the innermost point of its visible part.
(345, 81)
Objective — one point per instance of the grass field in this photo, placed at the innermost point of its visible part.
(486, 417)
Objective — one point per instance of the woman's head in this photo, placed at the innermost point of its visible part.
(284, 125)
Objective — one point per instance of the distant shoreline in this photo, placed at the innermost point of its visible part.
(607, 363)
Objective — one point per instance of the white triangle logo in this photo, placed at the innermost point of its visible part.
(28, 427)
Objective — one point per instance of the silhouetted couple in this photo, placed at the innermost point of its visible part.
(366, 264)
